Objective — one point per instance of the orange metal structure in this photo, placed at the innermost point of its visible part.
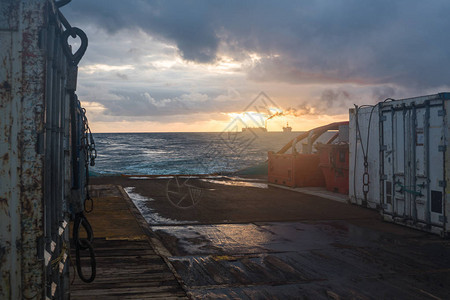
(295, 170)
(334, 163)
(300, 169)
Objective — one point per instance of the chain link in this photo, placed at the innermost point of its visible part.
(90, 152)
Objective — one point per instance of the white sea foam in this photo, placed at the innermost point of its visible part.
(149, 214)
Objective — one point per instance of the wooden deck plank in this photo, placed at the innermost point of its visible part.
(127, 266)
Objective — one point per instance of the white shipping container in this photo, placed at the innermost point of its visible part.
(407, 161)
(364, 142)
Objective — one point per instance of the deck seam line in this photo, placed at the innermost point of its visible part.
(151, 238)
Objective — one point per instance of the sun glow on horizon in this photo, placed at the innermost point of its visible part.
(303, 123)
(91, 69)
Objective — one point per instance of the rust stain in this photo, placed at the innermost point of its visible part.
(5, 86)
(5, 157)
(2, 252)
(27, 44)
(4, 206)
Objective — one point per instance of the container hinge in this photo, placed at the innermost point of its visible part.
(383, 118)
(441, 113)
(40, 143)
(383, 177)
(384, 206)
(442, 183)
(443, 219)
(40, 247)
(42, 38)
(383, 148)
(442, 148)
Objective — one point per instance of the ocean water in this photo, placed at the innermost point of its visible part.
(183, 153)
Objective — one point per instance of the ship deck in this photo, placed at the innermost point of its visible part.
(256, 242)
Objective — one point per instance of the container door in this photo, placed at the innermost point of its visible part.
(436, 164)
(421, 154)
(412, 162)
(393, 148)
(387, 160)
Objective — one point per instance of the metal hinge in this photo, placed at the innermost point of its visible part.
(383, 148)
(383, 177)
(442, 148)
(442, 183)
(443, 219)
(40, 247)
(383, 118)
(441, 113)
(384, 206)
(42, 38)
(40, 147)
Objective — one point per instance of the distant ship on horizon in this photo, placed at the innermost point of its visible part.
(254, 129)
(287, 128)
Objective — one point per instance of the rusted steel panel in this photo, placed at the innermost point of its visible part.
(31, 20)
(10, 234)
(23, 74)
(9, 12)
(34, 152)
(9, 260)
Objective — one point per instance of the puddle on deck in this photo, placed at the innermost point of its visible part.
(238, 183)
(149, 214)
(246, 238)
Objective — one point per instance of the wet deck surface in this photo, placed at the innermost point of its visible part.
(319, 260)
(127, 265)
(239, 244)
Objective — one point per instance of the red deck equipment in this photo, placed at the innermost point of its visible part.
(300, 169)
(295, 170)
(334, 164)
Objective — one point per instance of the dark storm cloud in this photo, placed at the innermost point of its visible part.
(184, 22)
(143, 104)
(364, 42)
(331, 102)
(122, 76)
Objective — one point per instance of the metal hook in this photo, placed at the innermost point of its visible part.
(74, 58)
(61, 3)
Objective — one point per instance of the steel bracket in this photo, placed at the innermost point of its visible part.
(72, 78)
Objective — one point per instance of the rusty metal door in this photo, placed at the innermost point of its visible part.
(37, 87)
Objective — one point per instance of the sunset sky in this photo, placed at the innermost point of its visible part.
(154, 66)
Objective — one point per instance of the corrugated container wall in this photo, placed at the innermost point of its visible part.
(404, 167)
(35, 151)
(364, 149)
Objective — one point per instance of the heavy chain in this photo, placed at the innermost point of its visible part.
(87, 143)
(365, 148)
